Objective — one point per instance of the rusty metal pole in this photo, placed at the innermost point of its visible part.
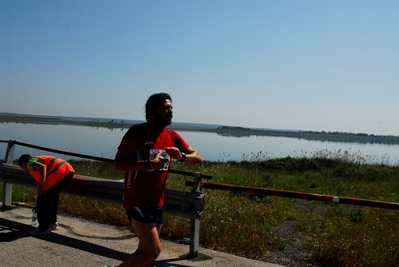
(301, 195)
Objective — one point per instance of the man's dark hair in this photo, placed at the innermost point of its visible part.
(24, 159)
(153, 102)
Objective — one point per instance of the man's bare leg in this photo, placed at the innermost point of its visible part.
(159, 227)
(149, 245)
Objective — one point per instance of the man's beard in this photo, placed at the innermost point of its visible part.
(160, 122)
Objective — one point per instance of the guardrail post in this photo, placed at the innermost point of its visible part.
(7, 187)
(195, 223)
(9, 158)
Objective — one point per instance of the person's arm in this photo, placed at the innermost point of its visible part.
(192, 155)
(125, 162)
(37, 166)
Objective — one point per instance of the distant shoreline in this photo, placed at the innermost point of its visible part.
(228, 131)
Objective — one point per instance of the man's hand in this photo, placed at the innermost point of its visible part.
(174, 152)
(40, 189)
(157, 162)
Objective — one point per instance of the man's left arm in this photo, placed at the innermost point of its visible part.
(191, 155)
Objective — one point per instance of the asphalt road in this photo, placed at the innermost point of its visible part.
(84, 243)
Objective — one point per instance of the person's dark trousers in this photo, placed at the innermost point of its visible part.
(47, 204)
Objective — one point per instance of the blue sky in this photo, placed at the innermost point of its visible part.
(283, 64)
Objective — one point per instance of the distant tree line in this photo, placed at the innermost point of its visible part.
(228, 131)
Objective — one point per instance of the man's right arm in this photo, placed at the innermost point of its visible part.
(126, 162)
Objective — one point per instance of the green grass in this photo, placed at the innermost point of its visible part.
(337, 234)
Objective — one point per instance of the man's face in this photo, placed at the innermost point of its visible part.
(164, 114)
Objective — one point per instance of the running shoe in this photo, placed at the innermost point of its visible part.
(54, 226)
(37, 232)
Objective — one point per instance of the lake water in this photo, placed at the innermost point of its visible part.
(103, 142)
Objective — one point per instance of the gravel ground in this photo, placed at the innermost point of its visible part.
(80, 242)
(295, 254)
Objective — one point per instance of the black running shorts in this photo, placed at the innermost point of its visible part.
(145, 214)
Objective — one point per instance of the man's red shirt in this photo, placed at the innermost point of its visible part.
(147, 187)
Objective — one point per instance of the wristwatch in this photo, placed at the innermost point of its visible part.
(183, 157)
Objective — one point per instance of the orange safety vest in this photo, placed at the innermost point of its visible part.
(56, 170)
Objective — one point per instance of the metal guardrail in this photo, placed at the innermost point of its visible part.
(184, 204)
